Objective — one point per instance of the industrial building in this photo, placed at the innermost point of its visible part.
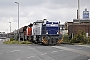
(79, 24)
(74, 27)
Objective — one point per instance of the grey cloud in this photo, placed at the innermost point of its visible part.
(53, 4)
(32, 10)
(6, 3)
(32, 2)
(58, 4)
(13, 12)
(71, 3)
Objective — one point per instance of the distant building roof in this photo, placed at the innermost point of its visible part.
(81, 20)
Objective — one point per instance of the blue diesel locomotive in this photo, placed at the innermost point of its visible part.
(46, 32)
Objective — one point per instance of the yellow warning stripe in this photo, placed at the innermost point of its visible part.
(59, 41)
(44, 41)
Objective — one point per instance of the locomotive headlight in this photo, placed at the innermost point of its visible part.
(57, 32)
(46, 32)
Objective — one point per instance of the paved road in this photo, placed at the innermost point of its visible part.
(39, 52)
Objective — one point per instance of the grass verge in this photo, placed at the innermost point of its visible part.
(16, 42)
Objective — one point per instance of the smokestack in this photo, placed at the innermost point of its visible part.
(79, 11)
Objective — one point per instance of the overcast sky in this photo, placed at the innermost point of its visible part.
(32, 10)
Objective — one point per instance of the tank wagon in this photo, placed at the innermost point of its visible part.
(46, 32)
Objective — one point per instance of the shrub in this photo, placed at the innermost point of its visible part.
(10, 42)
(25, 42)
(80, 37)
(88, 40)
(16, 42)
(11, 39)
(66, 38)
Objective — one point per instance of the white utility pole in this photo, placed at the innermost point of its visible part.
(18, 22)
(10, 27)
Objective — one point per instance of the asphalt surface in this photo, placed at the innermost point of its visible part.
(40, 52)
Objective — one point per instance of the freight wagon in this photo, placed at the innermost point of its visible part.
(28, 33)
(46, 32)
(25, 32)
